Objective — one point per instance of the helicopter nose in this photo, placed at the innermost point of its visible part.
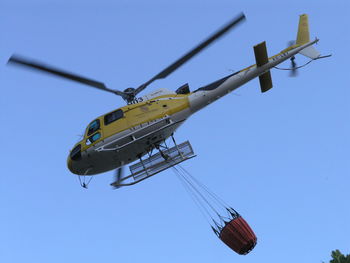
(74, 156)
(69, 164)
(73, 166)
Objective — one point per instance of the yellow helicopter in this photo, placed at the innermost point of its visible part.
(139, 130)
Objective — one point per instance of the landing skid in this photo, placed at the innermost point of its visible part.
(155, 163)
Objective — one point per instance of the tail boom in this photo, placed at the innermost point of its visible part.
(212, 92)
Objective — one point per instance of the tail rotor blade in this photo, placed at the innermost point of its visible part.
(294, 71)
(290, 43)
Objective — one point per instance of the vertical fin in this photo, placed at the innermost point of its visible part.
(303, 36)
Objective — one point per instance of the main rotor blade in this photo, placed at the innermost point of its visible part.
(17, 60)
(178, 63)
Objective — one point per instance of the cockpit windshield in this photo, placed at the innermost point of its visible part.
(94, 126)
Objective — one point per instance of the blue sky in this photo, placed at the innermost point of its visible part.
(280, 158)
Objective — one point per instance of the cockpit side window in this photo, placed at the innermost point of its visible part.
(94, 126)
(93, 138)
(113, 116)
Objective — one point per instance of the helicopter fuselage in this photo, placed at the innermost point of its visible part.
(126, 134)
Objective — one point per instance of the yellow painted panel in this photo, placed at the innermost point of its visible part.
(303, 36)
(136, 114)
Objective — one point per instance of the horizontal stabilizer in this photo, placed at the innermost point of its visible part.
(265, 81)
(261, 54)
(262, 58)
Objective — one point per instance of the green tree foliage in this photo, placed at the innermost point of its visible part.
(338, 257)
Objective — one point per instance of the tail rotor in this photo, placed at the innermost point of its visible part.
(293, 64)
(293, 68)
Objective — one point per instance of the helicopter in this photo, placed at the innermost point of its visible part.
(140, 129)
